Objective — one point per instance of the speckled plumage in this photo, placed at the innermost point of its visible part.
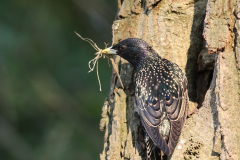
(160, 93)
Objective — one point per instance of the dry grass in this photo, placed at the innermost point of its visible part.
(94, 62)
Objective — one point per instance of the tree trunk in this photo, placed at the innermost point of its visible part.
(203, 38)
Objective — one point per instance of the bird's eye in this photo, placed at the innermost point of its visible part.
(123, 47)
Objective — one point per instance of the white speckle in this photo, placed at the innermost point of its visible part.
(179, 146)
(182, 141)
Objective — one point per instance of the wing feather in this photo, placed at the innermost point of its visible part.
(159, 97)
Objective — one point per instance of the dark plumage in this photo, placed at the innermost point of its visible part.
(160, 91)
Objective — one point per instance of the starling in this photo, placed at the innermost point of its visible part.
(161, 93)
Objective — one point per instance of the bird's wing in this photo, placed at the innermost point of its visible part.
(176, 104)
(153, 102)
(150, 108)
(177, 107)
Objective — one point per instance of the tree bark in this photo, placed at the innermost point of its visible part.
(203, 38)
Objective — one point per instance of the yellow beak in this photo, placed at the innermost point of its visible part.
(109, 51)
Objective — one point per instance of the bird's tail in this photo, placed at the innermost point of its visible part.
(153, 152)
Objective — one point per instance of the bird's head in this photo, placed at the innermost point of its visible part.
(134, 50)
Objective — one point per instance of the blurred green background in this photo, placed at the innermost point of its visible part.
(50, 106)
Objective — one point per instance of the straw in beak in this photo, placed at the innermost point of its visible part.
(109, 51)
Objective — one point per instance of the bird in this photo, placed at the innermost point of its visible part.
(161, 94)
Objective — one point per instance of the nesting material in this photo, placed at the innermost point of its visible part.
(94, 62)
